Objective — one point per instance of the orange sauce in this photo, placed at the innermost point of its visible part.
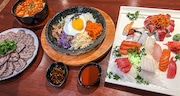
(29, 7)
(89, 75)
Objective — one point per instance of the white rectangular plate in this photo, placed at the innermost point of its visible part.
(167, 86)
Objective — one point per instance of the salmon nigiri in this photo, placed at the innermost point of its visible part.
(164, 60)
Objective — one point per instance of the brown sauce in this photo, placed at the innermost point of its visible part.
(89, 75)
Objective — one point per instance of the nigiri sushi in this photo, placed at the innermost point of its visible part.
(164, 60)
(171, 73)
(149, 45)
(157, 51)
(127, 28)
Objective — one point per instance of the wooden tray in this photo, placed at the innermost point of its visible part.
(87, 57)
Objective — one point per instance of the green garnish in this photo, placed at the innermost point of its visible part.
(176, 37)
(141, 80)
(142, 52)
(177, 57)
(31, 7)
(109, 75)
(138, 69)
(133, 16)
(133, 50)
(116, 51)
(116, 77)
(6, 46)
(135, 55)
(113, 75)
(135, 59)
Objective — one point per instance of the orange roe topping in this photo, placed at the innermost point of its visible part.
(160, 21)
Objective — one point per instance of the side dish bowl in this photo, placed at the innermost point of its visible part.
(32, 19)
(57, 74)
(69, 11)
(89, 75)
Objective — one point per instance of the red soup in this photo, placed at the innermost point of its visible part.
(89, 75)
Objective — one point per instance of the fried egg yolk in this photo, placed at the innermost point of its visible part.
(78, 24)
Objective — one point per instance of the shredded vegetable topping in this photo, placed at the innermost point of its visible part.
(160, 21)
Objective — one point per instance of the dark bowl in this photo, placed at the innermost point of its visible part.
(33, 19)
(49, 75)
(90, 75)
(73, 10)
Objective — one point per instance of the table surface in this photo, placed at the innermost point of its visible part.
(33, 82)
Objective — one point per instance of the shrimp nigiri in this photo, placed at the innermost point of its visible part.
(127, 28)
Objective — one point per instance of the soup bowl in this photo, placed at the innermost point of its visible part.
(29, 19)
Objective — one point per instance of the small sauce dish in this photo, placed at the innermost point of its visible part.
(89, 75)
(57, 74)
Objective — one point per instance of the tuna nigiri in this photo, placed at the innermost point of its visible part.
(171, 73)
(164, 60)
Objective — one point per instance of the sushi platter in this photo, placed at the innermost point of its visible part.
(149, 71)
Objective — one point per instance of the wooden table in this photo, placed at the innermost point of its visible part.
(33, 82)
